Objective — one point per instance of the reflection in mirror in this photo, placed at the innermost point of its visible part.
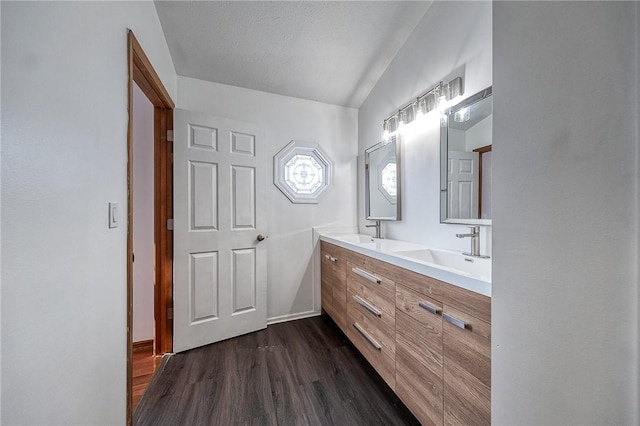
(465, 163)
(382, 171)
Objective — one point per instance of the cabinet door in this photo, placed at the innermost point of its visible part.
(419, 355)
(333, 275)
(467, 369)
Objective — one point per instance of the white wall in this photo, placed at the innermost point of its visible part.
(143, 217)
(0, 224)
(479, 135)
(565, 218)
(291, 286)
(64, 142)
(453, 37)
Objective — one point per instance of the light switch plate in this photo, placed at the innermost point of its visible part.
(113, 215)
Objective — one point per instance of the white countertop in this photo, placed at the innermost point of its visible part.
(445, 265)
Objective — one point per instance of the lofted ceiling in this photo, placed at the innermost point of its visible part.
(326, 51)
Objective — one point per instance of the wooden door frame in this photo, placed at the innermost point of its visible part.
(141, 72)
(482, 150)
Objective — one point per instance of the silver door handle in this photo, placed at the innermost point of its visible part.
(331, 258)
(455, 321)
(426, 306)
(359, 300)
(261, 237)
(364, 334)
(366, 275)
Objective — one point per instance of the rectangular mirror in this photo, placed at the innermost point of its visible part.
(466, 135)
(382, 183)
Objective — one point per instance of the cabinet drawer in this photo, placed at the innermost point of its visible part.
(367, 297)
(365, 282)
(467, 368)
(372, 351)
(381, 328)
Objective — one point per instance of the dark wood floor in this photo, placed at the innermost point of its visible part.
(301, 372)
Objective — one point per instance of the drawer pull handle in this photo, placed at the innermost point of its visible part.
(426, 306)
(331, 258)
(455, 321)
(370, 339)
(366, 275)
(359, 300)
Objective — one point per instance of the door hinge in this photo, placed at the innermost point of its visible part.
(169, 224)
(169, 135)
(169, 313)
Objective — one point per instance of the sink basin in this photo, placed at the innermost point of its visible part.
(472, 266)
(449, 266)
(377, 244)
(355, 238)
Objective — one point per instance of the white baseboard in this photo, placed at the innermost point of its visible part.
(292, 317)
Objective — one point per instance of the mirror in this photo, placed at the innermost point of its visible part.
(466, 135)
(382, 183)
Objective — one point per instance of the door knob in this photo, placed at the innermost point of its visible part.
(261, 237)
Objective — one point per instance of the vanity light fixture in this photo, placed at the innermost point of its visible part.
(436, 98)
(455, 88)
(443, 97)
(408, 113)
(462, 115)
(402, 120)
(390, 127)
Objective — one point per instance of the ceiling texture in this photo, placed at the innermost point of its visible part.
(326, 51)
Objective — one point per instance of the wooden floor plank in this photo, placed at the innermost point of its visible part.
(301, 372)
(144, 365)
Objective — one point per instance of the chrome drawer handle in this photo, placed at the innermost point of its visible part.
(455, 321)
(433, 309)
(331, 258)
(366, 305)
(366, 275)
(370, 339)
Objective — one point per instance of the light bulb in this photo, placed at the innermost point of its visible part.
(462, 115)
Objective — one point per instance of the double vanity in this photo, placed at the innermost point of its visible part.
(420, 316)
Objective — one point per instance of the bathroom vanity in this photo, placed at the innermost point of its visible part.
(422, 320)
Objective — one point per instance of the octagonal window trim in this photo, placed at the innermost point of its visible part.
(388, 181)
(387, 178)
(302, 172)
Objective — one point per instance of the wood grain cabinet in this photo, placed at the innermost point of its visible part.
(443, 351)
(419, 355)
(467, 368)
(334, 283)
(371, 315)
(429, 340)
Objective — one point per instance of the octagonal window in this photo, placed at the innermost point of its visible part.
(302, 173)
(388, 176)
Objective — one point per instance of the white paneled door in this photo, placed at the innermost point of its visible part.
(220, 265)
(462, 185)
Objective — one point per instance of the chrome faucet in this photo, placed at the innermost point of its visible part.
(377, 226)
(475, 241)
